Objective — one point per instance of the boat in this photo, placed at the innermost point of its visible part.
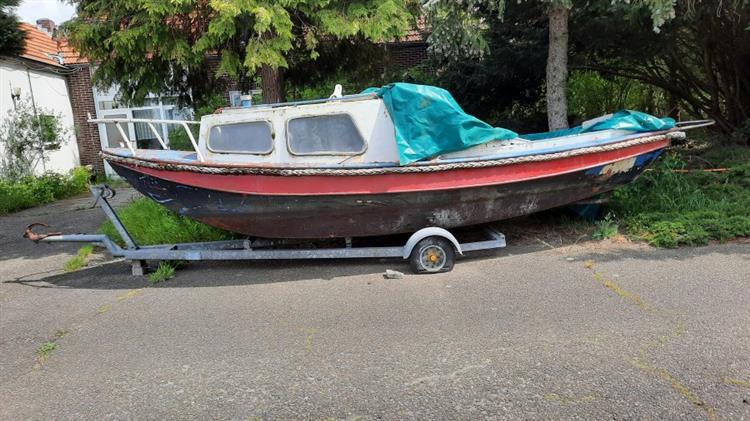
(389, 160)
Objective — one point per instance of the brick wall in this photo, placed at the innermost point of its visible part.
(405, 55)
(82, 102)
(224, 83)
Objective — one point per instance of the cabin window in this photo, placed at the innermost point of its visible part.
(252, 137)
(324, 135)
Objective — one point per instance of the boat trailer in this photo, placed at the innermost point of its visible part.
(429, 250)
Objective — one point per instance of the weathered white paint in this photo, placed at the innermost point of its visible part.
(374, 123)
(369, 115)
(50, 93)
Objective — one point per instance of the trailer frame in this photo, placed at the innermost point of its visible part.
(246, 249)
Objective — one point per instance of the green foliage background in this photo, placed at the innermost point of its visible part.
(163, 45)
(12, 37)
(33, 191)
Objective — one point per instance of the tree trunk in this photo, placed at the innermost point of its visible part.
(272, 83)
(557, 67)
(673, 106)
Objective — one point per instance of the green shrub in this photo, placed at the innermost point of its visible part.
(150, 223)
(33, 191)
(591, 95)
(354, 84)
(669, 208)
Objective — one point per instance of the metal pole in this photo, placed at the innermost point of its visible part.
(158, 137)
(38, 120)
(192, 141)
(98, 191)
(13, 96)
(125, 138)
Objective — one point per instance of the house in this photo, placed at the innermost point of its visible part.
(38, 75)
(55, 77)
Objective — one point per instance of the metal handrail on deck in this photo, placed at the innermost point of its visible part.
(150, 122)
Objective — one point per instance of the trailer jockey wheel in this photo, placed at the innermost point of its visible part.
(432, 255)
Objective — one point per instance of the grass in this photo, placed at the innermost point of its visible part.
(164, 272)
(34, 191)
(606, 228)
(669, 208)
(79, 260)
(150, 223)
(44, 350)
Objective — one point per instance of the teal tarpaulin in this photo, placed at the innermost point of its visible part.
(429, 122)
(629, 120)
(621, 120)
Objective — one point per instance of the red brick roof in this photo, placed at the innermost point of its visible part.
(39, 46)
(415, 34)
(70, 56)
(412, 35)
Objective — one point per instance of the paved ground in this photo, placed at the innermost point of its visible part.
(594, 331)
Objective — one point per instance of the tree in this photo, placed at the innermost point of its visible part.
(165, 45)
(503, 88)
(12, 38)
(459, 28)
(700, 59)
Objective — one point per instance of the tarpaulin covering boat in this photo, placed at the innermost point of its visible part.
(390, 160)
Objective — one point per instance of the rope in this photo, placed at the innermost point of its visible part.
(290, 172)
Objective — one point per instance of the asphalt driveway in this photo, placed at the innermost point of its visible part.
(593, 330)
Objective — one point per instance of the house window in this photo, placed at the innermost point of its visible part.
(109, 105)
(334, 134)
(114, 138)
(144, 136)
(252, 137)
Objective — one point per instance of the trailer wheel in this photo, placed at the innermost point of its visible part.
(432, 255)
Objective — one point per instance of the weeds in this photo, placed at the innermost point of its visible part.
(79, 260)
(44, 350)
(668, 208)
(606, 228)
(164, 272)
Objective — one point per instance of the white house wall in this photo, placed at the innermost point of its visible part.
(50, 93)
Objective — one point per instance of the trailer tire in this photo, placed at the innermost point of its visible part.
(432, 255)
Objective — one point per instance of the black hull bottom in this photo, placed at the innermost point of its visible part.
(378, 214)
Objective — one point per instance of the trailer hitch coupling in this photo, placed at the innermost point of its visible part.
(31, 235)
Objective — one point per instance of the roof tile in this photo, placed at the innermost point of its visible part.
(39, 46)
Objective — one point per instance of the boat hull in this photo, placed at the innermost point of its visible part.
(357, 214)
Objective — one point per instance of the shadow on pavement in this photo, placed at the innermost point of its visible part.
(116, 275)
(642, 252)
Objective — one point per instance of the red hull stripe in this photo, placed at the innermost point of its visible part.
(398, 183)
